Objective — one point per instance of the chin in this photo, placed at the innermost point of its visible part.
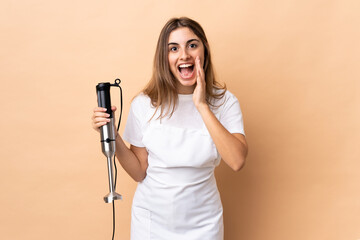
(187, 82)
(186, 86)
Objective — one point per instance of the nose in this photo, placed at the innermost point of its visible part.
(184, 54)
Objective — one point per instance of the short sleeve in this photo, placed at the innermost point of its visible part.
(133, 129)
(231, 116)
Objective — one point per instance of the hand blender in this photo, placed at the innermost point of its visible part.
(108, 134)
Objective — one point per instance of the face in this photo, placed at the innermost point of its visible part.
(184, 46)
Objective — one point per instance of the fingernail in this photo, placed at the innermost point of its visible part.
(108, 115)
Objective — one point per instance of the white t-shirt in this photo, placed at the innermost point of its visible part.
(185, 116)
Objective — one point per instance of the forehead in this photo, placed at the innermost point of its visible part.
(182, 35)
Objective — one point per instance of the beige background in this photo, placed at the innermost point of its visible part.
(294, 66)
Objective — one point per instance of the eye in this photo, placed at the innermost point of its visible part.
(192, 45)
(173, 49)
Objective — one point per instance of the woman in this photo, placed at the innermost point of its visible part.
(179, 128)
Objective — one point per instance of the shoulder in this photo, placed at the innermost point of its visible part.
(140, 98)
(228, 98)
(228, 95)
(227, 105)
(141, 101)
(141, 107)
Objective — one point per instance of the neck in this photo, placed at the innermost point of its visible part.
(185, 89)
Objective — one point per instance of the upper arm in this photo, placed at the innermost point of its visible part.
(142, 154)
(231, 116)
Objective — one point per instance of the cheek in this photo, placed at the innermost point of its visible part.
(172, 65)
(171, 60)
(201, 54)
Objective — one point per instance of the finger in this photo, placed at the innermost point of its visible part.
(100, 114)
(198, 76)
(96, 126)
(100, 119)
(197, 62)
(202, 73)
(99, 109)
(113, 108)
(200, 70)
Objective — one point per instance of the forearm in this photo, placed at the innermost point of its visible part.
(129, 161)
(232, 147)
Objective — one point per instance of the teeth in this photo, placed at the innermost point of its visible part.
(185, 65)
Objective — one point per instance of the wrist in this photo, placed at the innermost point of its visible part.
(201, 107)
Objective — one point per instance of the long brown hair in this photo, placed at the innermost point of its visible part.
(162, 86)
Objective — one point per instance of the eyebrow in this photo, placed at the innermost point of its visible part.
(194, 39)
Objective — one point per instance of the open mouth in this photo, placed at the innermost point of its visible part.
(186, 70)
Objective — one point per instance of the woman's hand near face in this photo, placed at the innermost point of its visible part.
(100, 117)
(199, 96)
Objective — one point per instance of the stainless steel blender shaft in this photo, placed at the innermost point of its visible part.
(107, 134)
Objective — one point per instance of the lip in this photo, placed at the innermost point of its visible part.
(186, 77)
(178, 65)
